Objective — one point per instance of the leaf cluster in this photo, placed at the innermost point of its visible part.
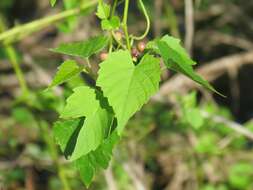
(94, 117)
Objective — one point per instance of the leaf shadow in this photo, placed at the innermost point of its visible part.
(72, 140)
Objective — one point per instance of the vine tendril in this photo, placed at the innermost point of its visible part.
(147, 20)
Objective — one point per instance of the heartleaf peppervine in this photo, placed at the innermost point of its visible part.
(94, 117)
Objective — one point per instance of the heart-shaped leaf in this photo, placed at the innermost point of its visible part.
(127, 86)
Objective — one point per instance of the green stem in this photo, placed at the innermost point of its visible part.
(89, 70)
(88, 63)
(53, 152)
(115, 3)
(118, 41)
(147, 20)
(111, 42)
(19, 32)
(12, 55)
(13, 58)
(125, 28)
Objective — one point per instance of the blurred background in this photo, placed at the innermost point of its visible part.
(185, 138)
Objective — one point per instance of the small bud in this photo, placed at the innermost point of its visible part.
(141, 46)
(118, 35)
(134, 59)
(103, 56)
(135, 52)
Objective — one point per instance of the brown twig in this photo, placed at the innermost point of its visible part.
(213, 11)
(234, 88)
(215, 118)
(189, 25)
(130, 168)
(232, 125)
(110, 179)
(216, 38)
(29, 180)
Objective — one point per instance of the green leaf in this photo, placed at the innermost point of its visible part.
(103, 10)
(112, 24)
(127, 86)
(83, 49)
(176, 58)
(179, 54)
(189, 100)
(207, 143)
(66, 71)
(22, 115)
(152, 45)
(76, 81)
(65, 133)
(194, 117)
(86, 102)
(89, 164)
(53, 2)
(81, 103)
(240, 175)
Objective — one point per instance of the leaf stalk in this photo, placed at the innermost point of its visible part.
(125, 28)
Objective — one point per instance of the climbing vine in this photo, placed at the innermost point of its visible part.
(94, 117)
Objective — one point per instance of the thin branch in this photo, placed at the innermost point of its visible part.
(110, 179)
(216, 38)
(130, 167)
(215, 118)
(13, 58)
(231, 124)
(189, 25)
(212, 11)
(22, 31)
